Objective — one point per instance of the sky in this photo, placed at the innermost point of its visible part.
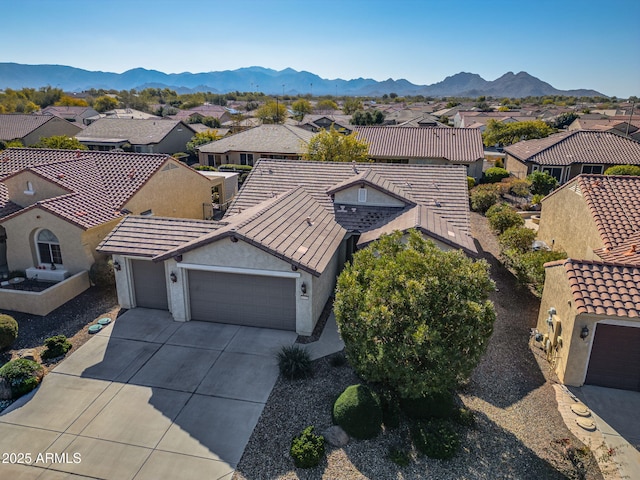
(570, 44)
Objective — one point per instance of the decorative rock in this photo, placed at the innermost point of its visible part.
(28, 353)
(336, 436)
(580, 409)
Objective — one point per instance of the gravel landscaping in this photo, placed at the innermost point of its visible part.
(519, 432)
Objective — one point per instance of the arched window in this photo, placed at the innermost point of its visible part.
(48, 248)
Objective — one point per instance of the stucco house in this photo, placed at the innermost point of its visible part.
(29, 129)
(140, 136)
(568, 154)
(591, 301)
(57, 205)
(79, 115)
(272, 261)
(425, 146)
(264, 141)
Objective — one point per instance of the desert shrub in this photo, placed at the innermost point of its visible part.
(517, 238)
(494, 175)
(56, 346)
(529, 267)
(501, 218)
(435, 438)
(22, 375)
(357, 410)
(498, 163)
(623, 170)
(101, 273)
(205, 168)
(542, 183)
(8, 331)
(307, 449)
(465, 417)
(537, 198)
(520, 187)
(437, 405)
(294, 362)
(471, 182)
(231, 167)
(399, 456)
(483, 197)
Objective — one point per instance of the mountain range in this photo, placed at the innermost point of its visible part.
(287, 81)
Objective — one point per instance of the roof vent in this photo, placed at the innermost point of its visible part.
(353, 165)
(632, 251)
(309, 222)
(437, 203)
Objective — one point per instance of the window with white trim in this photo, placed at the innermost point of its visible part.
(48, 248)
(592, 169)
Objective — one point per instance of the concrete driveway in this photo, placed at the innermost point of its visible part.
(146, 398)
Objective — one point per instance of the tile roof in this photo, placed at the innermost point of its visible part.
(453, 144)
(431, 185)
(364, 218)
(16, 125)
(626, 252)
(134, 131)
(266, 139)
(374, 179)
(100, 182)
(578, 146)
(148, 236)
(603, 289)
(292, 226)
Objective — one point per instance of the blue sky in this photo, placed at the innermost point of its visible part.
(567, 43)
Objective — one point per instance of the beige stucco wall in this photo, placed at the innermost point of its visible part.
(42, 303)
(176, 192)
(175, 141)
(323, 287)
(566, 219)
(42, 189)
(515, 167)
(55, 127)
(375, 197)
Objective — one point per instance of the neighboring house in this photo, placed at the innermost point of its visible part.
(78, 115)
(425, 146)
(246, 147)
(621, 127)
(272, 261)
(568, 154)
(315, 123)
(593, 296)
(57, 205)
(129, 113)
(197, 114)
(140, 136)
(463, 119)
(29, 129)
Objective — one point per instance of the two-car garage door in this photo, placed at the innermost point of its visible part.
(615, 357)
(253, 300)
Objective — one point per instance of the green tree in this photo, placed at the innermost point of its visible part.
(333, 146)
(351, 105)
(499, 133)
(272, 112)
(541, 183)
(61, 142)
(370, 117)
(105, 103)
(67, 101)
(326, 106)
(623, 170)
(563, 120)
(301, 107)
(414, 318)
(202, 138)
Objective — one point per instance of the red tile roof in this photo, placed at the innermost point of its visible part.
(453, 144)
(100, 182)
(578, 146)
(603, 289)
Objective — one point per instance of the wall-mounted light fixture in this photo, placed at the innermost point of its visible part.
(294, 268)
(584, 333)
(178, 258)
(303, 288)
(173, 277)
(116, 265)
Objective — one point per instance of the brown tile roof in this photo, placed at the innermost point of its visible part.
(626, 252)
(133, 130)
(148, 236)
(16, 125)
(100, 182)
(293, 226)
(265, 139)
(603, 289)
(578, 146)
(432, 185)
(374, 179)
(453, 144)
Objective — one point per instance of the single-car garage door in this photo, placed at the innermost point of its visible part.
(150, 284)
(252, 300)
(615, 357)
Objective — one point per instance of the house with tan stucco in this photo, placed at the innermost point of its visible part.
(589, 319)
(57, 205)
(30, 128)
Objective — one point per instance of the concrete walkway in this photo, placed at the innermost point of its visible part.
(146, 398)
(329, 341)
(616, 436)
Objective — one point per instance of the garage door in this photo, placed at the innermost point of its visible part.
(150, 284)
(240, 299)
(615, 358)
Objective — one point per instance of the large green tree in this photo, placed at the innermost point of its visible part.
(499, 133)
(272, 112)
(414, 318)
(105, 103)
(202, 138)
(369, 117)
(352, 105)
(333, 146)
(300, 108)
(61, 142)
